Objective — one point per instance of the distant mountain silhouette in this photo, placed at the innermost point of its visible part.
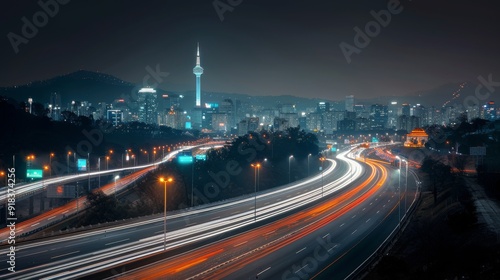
(79, 86)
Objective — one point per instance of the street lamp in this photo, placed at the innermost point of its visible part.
(406, 179)
(50, 163)
(116, 178)
(399, 190)
(308, 156)
(67, 162)
(2, 174)
(322, 159)
(192, 181)
(289, 159)
(107, 162)
(162, 179)
(256, 169)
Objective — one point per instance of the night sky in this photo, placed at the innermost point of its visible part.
(261, 47)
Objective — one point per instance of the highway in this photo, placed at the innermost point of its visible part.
(298, 246)
(29, 188)
(76, 205)
(184, 228)
(87, 253)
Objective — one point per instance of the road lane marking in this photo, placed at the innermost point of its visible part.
(236, 212)
(35, 224)
(300, 250)
(263, 271)
(326, 235)
(342, 225)
(378, 211)
(65, 212)
(51, 218)
(239, 244)
(218, 217)
(353, 217)
(335, 246)
(270, 232)
(63, 255)
(364, 209)
(20, 255)
(354, 232)
(368, 220)
(116, 242)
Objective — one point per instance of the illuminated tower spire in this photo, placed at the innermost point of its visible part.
(198, 70)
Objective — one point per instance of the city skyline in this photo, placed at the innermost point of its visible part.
(290, 49)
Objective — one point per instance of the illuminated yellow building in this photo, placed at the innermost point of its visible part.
(417, 138)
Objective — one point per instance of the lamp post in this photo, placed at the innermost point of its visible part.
(406, 183)
(192, 181)
(50, 163)
(399, 191)
(116, 178)
(107, 162)
(322, 159)
(67, 162)
(308, 156)
(289, 159)
(256, 167)
(162, 179)
(2, 174)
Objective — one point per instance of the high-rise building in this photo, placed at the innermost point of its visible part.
(349, 103)
(378, 116)
(147, 107)
(314, 122)
(361, 111)
(323, 107)
(198, 71)
(115, 116)
(55, 106)
(405, 109)
(490, 111)
(392, 114)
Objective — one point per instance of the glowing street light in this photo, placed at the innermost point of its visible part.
(399, 191)
(67, 161)
(164, 181)
(308, 156)
(289, 159)
(322, 159)
(116, 178)
(50, 162)
(256, 169)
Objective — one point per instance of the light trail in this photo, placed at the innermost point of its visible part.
(325, 212)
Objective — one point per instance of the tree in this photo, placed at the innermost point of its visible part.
(437, 172)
